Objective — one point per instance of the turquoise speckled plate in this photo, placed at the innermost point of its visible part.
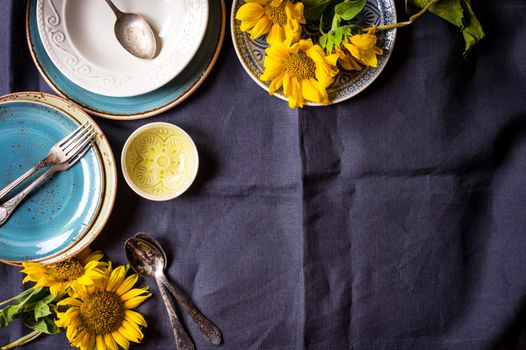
(141, 106)
(59, 212)
(109, 169)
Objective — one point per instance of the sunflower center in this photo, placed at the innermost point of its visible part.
(102, 312)
(276, 14)
(67, 270)
(300, 66)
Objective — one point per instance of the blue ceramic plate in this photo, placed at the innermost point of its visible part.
(141, 106)
(59, 212)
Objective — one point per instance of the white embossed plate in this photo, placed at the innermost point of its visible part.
(78, 37)
(251, 53)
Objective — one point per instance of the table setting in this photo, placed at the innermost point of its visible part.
(262, 174)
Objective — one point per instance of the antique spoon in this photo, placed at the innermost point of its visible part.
(146, 262)
(147, 258)
(134, 33)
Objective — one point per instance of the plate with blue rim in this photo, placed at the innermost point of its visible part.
(59, 212)
(134, 107)
(251, 53)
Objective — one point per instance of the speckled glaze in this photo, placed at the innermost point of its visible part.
(61, 210)
(159, 161)
(251, 53)
(136, 107)
(104, 160)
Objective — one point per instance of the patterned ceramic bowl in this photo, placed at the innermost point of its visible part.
(159, 161)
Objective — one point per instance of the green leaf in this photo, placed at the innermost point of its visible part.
(8, 314)
(45, 325)
(348, 9)
(19, 297)
(313, 9)
(458, 13)
(473, 31)
(335, 38)
(41, 309)
(450, 10)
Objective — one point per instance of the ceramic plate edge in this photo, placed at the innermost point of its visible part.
(103, 183)
(56, 61)
(143, 115)
(281, 96)
(112, 165)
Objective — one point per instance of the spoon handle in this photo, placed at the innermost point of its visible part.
(182, 339)
(114, 8)
(211, 333)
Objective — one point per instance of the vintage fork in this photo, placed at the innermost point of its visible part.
(7, 208)
(61, 152)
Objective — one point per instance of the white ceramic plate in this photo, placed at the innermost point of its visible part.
(78, 36)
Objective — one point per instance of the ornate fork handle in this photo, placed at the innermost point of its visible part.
(9, 207)
(211, 333)
(182, 339)
(44, 162)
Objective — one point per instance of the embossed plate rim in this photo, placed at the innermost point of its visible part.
(138, 81)
(90, 107)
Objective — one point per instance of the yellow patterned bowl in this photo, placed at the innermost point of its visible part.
(159, 161)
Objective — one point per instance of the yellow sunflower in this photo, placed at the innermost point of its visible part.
(83, 269)
(363, 48)
(302, 69)
(101, 315)
(280, 19)
(347, 61)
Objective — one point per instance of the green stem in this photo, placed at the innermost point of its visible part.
(335, 22)
(406, 23)
(19, 296)
(23, 340)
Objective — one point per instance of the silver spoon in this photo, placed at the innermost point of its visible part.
(134, 33)
(147, 258)
(146, 262)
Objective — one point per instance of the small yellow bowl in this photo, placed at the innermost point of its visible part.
(159, 161)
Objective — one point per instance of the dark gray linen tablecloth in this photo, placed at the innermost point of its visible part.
(395, 220)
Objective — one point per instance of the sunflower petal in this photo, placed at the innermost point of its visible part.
(250, 11)
(262, 27)
(110, 342)
(121, 340)
(128, 284)
(100, 342)
(133, 329)
(136, 301)
(132, 293)
(116, 278)
(134, 316)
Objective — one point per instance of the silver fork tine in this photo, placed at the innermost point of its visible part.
(71, 143)
(78, 156)
(61, 152)
(86, 140)
(7, 208)
(69, 137)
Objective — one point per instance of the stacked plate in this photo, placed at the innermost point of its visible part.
(75, 49)
(65, 215)
(74, 46)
